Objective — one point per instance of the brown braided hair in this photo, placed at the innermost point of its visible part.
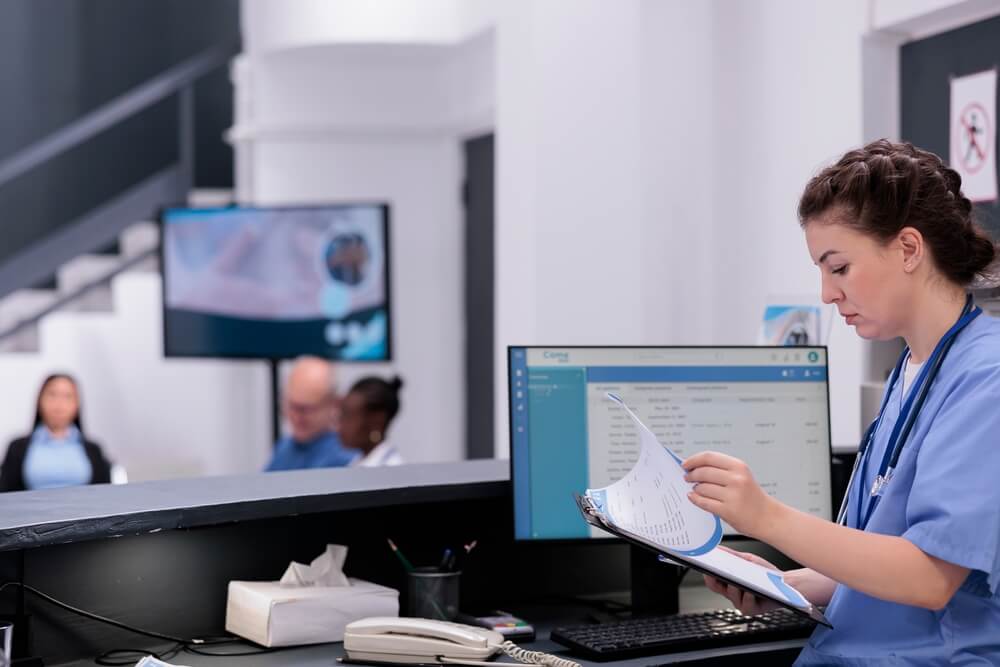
(886, 186)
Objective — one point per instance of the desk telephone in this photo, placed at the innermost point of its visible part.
(423, 641)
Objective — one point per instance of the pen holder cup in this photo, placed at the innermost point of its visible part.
(433, 593)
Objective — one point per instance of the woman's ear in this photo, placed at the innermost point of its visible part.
(911, 244)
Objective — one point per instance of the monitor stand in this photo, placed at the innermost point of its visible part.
(654, 584)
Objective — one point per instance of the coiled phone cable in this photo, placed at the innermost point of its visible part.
(520, 654)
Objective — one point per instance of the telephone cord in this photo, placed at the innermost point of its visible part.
(514, 651)
(535, 657)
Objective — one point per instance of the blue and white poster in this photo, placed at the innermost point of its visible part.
(790, 325)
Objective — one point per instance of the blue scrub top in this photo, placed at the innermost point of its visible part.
(944, 497)
(53, 462)
(325, 451)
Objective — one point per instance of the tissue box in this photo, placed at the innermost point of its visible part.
(270, 614)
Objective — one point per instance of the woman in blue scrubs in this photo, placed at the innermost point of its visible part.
(913, 575)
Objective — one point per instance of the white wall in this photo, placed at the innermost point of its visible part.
(568, 188)
(788, 83)
(384, 123)
(680, 265)
(650, 159)
(160, 418)
(650, 155)
(273, 25)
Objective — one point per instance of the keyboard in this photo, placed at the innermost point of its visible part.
(681, 632)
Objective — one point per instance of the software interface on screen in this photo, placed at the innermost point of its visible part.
(765, 405)
(277, 282)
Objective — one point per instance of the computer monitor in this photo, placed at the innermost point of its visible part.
(768, 406)
(277, 282)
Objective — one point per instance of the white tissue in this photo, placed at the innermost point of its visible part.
(327, 569)
(311, 604)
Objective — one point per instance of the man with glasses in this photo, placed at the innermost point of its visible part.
(310, 406)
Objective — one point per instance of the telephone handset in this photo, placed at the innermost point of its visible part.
(417, 640)
(424, 641)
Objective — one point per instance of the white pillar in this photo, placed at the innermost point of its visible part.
(569, 188)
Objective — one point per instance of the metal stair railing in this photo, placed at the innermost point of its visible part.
(70, 297)
(102, 225)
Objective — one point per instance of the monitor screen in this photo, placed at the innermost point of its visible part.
(768, 406)
(276, 282)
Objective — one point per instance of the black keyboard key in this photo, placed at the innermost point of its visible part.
(682, 632)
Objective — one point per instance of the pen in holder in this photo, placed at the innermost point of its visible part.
(433, 593)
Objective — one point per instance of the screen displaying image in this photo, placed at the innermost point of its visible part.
(277, 282)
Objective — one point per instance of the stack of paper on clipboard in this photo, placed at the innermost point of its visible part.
(649, 507)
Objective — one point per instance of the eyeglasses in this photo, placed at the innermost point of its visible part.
(304, 408)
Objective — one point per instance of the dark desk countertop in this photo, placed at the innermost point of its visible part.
(694, 597)
(55, 516)
(325, 655)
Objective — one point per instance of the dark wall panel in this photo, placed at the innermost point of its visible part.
(926, 68)
(478, 196)
(60, 59)
(40, 202)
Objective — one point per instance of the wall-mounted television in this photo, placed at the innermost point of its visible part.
(277, 282)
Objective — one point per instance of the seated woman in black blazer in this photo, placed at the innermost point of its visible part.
(56, 453)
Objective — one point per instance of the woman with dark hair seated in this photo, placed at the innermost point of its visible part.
(56, 453)
(365, 415)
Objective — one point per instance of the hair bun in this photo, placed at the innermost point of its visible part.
(396, 383)
(883, 186)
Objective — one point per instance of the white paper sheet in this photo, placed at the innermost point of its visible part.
(651, 499)
(651, 502)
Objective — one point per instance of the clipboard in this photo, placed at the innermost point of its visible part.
(595, 517)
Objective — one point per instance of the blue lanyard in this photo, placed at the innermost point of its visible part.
(907, 414)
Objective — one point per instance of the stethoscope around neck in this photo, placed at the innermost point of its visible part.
(907, 416)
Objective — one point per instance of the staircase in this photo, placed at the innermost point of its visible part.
(99, 316)
(83, 284)
(37, 254)
(156, 417)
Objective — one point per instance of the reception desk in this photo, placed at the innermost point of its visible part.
(159, 555)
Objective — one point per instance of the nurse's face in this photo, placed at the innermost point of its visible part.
(862, 277)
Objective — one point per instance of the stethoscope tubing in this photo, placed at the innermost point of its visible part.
(901, 432)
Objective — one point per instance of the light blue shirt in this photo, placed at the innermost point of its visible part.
(52, 462)
(325, 451)
(944, 497)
